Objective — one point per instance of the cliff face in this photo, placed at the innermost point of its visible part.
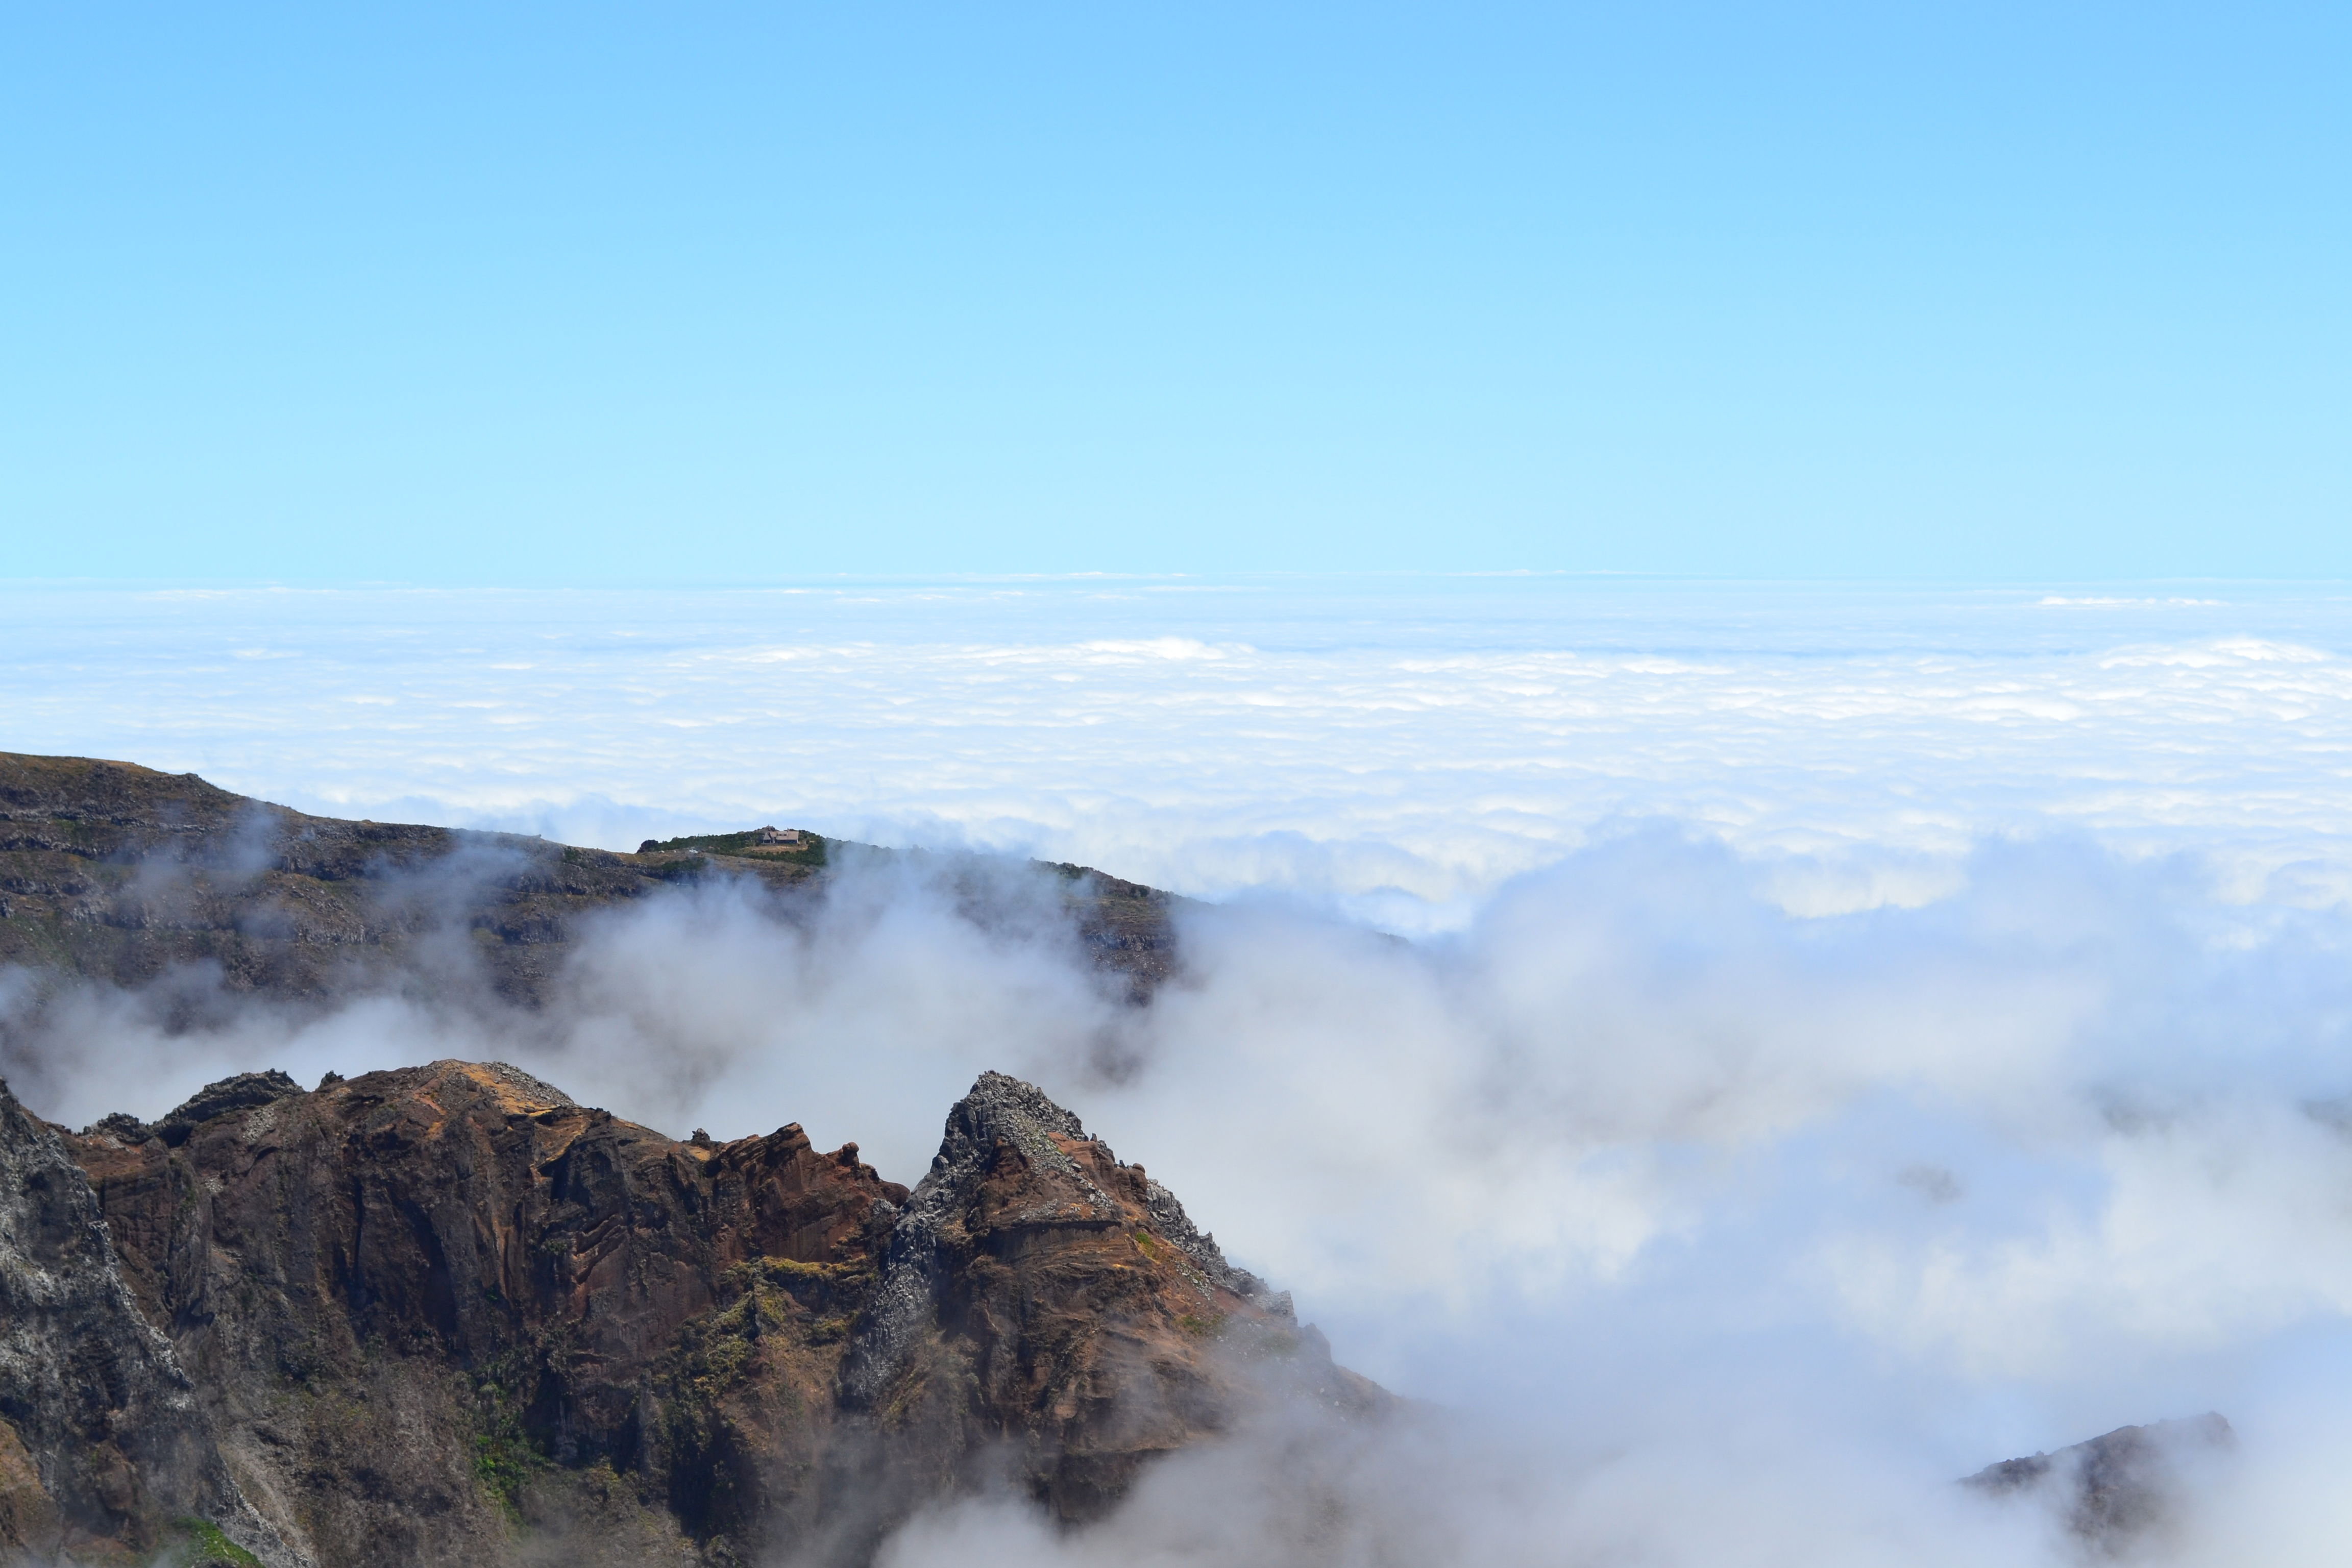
(1044, 1305)
(103, 1448)
(444, 1315)
(116, 873)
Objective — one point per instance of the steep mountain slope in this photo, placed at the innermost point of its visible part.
(116, 873)
(2117, 1493)
(445, 1315)
(103, 1444)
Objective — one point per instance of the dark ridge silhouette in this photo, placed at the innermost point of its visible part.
(116, 874)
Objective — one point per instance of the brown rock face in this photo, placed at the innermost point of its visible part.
(1043, 1304)
(445, 1315)
(103, 1444)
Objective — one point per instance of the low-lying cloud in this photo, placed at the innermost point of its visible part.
(1848, 1036)
(1395, 749)
(1708, 1231)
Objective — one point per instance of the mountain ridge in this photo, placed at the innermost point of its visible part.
(116, 874)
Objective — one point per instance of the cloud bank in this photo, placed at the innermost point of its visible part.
(1838, 1039)
(1398, 748)
(1710, 1232)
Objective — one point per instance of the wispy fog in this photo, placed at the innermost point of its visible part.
(1707, 1231)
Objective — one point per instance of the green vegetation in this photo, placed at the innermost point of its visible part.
(505, 1459)
(504, 1466)
(201, 1545)
(746, 844)
(819, 1287)
(712, 1357)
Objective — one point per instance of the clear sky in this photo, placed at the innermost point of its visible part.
(596, 292)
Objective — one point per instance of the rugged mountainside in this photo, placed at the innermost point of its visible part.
(101, 1442)
(2114, 1491)
(116, 873)
(445, 1315)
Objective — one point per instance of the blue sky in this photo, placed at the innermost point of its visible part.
(606, 294)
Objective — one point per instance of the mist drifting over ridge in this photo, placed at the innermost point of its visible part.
(1720, 1219)
(1711, 1232)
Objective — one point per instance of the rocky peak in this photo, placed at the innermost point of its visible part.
(2115, 1491)
(1037, 1292)
(1004, 1109)
(243, 1091)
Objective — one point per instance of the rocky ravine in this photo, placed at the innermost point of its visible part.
(445, 1315)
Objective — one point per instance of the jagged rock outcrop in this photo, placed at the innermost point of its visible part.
(445, 1315)
(104, 1450)
(1045, 1309)
(2113, 1492)
(119, 874)
(411, 1298)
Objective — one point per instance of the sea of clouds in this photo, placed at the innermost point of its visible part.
(1742, 1057)
(1397, 746)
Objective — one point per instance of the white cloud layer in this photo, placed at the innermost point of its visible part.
(1402, 746)
(1853, 1040)
(1718, 1234)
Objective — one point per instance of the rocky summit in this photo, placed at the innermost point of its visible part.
(447, 1315)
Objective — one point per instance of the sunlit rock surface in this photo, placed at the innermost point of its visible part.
(445, 1315)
